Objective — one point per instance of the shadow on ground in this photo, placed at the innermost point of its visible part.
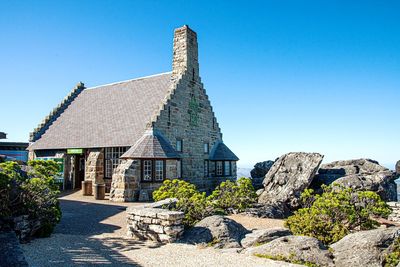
(83, 239)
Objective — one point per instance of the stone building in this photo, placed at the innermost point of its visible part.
(131, 135)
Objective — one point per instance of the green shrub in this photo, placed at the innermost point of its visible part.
(227, 198)
(392, 259)
(33, 194)
(231, 197)
(336, 213)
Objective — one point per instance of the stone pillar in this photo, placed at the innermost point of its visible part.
(94, 167)
(185, 54)
(125, 183)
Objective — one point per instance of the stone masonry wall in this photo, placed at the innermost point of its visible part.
(395, 215)
(125, 184)
(150, 222)
(188, 114)
(94, 167)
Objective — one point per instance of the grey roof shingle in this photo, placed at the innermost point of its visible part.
(151, 145)
(221, 152)
(107, 116)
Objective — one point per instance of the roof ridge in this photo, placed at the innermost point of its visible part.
(130, 80)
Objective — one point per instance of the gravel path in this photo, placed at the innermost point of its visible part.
(92, 232)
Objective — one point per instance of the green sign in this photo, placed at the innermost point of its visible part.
(74, 151)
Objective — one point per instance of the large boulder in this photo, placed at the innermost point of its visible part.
(288, 177)
(217, 231)
(360, 174)
(365, 248)
(259, 237)
(275, 210)
(299, 249)
(259, 171)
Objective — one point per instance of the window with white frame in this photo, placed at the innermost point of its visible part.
(218, 168)
(147, 170)
(227, 168)
(159, 170)
(112, 159)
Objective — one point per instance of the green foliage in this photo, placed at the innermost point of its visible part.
(335, 213)
(392, 259)
(227, 198)
(233, 196)
(33, 194)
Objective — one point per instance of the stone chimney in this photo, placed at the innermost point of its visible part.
(185, 57)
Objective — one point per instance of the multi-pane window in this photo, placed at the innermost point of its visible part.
(206, 148)
(227, 168)
(218, 167)
(112, 159)
(206, 168)
(147, 170)
(179, 145)
(159, 170)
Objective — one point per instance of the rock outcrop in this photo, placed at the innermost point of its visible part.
(397, 169)
(360, 174)
(288, 177)
(299, 249)
(365, 248)
(259, 171)
(259, 237)
(217, 231)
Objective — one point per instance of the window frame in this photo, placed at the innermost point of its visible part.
(216, 168)
(206, 148)
(180, 141)
(153, 170)
(112, 159)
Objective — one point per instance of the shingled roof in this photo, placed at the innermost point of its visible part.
(151, 145)
(107, 116)
(221, 152)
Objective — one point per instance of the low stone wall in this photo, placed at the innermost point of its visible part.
(151, 222)
(395, 215)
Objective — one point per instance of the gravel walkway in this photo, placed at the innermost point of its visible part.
(92, 232)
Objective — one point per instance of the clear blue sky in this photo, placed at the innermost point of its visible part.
(317, 76)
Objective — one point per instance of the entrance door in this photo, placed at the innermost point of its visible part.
(79, 170)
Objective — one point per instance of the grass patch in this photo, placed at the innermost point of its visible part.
(289, 259)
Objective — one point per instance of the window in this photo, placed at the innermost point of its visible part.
(159, 174)
(153, 170)
(218, 167)
(179, 145)
(206, 168)
(227, 168)
(112, 159)
(147, 170)
(206, 148)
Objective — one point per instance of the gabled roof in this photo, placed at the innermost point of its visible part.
(107, 116)
(151, 145)
(221, 152)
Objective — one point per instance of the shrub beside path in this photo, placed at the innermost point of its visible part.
(92, 232)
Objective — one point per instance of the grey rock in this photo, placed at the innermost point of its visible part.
(218, 231)
(259, 171)
(288, 177)
(360, 174)
(296, 248)
(397, 169)
(364, 248)
(277, 210)
(263, 236)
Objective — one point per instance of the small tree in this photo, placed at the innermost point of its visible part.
(337, 212)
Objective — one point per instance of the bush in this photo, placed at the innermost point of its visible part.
(33, 193)
(392, 259)
(227, 198)
(335, 213)
(230, 197)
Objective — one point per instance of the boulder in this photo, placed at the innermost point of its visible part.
(288, 177)
(365, 248)
(295, 249)
(259, 171)
(360, 174)
(218, 231)
(276, 210)
(258, 237)
(397, 169)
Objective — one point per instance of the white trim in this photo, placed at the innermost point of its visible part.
(130, 80)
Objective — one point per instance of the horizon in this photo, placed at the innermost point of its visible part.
(278, 81)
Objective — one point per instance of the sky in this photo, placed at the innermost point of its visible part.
(282, 76)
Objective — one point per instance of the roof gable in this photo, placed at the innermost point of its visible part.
(107, 116)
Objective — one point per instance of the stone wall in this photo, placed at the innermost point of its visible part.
(94, 167)
(125, 183)
(151, 222)
(395, 215)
